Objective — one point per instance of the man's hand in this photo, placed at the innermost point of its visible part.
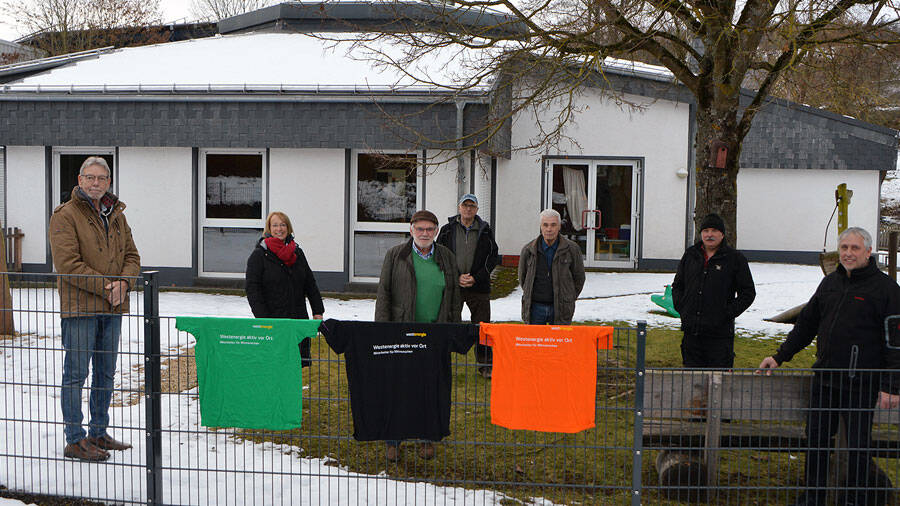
(768, 364)
(466, 280)
(317, 317)
(888, 401)
(118, 290)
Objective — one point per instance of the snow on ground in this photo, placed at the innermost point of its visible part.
(30, 369)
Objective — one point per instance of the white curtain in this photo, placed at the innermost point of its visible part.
(576, 196)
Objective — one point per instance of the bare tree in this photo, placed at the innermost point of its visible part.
(65, 26)
(548, 51)
(221, 9)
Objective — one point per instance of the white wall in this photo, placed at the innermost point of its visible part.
(787, 210)
(155, 184)
(26, 192)
(441, 188)
(309, 185)
(658, 132)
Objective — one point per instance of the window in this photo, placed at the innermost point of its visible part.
(67, 163)
(387, 192)
(232, 211)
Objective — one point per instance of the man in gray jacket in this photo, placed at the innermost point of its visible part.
(551, 273)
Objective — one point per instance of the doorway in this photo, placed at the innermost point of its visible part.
(598, 200)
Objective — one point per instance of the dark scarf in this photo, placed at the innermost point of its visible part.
(285, 250)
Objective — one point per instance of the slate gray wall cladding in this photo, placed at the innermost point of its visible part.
(791, 136)
(222, 124)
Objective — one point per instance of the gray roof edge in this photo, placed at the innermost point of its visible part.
(13, 69)
(817, 111)
(346, 13)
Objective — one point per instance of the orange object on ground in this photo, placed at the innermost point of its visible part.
(545, 376)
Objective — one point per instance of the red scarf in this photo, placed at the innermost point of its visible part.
(287, 252)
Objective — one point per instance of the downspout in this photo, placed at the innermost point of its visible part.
(461, 187)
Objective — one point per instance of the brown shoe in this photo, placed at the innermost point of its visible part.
(426, 450)
(106, 442)
(392, 452)
(84, 450)
(485, 371)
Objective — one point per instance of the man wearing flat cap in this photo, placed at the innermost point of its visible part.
(472, 241)
(712, 287)
(419, 278)
(419, 283)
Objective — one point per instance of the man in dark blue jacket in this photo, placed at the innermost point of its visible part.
(470, 238)
(712, 287)
(847, 315)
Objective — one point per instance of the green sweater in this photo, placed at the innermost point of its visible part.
(429, 288)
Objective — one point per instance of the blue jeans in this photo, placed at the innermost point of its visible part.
(88, 339)
(541, 314)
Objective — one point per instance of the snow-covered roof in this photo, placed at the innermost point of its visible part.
(263, 62)
(245, 62)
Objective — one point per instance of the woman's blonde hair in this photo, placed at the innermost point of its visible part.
(284, 218)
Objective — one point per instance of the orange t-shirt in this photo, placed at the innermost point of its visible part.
(545, 376)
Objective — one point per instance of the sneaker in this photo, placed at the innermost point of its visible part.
(426, 450)
(392, 452)
(106, 442)
(485, 371)
(84, 450)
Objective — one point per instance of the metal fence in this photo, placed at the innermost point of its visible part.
(662, 436)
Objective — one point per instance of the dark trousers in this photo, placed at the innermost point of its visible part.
(541, 313)
(480, 307)
(827, 405)
(702, 351)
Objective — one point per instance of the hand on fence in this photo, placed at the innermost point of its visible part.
(888, 401)
(767, 363)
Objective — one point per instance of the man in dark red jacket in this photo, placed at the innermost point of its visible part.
(712, 287)
(847, 313)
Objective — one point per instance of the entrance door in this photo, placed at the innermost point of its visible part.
(598, 201)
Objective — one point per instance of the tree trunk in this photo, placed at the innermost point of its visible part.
(716, 188)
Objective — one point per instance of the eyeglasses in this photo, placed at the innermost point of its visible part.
(470, 206)
(90, 178)
(422, 230)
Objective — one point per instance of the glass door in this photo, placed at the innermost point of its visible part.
(598, 202)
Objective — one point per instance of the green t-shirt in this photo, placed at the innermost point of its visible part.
(429, 288)
(248, 370)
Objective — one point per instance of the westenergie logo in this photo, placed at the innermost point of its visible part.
(262, 326)
(416, 334)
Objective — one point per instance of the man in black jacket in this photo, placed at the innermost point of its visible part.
(847, 313)
(470, 238)
(712, 287)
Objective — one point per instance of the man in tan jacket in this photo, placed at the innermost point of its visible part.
(95, 253)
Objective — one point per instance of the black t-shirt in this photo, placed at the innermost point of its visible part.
(399, 375)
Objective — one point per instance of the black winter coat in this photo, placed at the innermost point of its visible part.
(485, 258)
(275, 290)
(847, 314)
(709, 297)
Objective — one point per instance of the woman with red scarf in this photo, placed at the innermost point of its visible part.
(279, 279)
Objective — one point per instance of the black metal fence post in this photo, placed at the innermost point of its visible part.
(638, 445)
(152, 387)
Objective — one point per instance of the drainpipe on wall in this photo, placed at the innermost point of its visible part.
(461, 187)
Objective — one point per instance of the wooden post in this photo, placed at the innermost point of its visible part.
(713, 429)
(7, 324)
(892, 254)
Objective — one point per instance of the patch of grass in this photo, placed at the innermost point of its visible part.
(503, 281)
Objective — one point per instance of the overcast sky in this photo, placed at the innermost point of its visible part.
(172, 10)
